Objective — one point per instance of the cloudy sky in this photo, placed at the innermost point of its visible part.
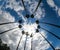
(13, 11)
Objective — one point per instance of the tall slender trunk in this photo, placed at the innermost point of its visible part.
(25, 43)
(31, 42)
(7, 23)
(48, 42)
(19, 42)
(8, 30)
(51, 33)
(37, 6)
(51, 24)
(23, 5)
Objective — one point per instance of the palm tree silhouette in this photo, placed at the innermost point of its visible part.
(51, 24)
(20, 26)
(48, 42)
(48, 32)
(51, 33)
(8, 30)
(26, 40)
(27, 15)
(37, 6)
(20, 22)
(31, 40)
(20, 39)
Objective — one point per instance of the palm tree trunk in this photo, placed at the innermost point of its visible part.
(19, 42)
(51, 24)
(48, 42)
(37, 6)
(31, 42)
(23, 5)
(51, 33)
(7, 23)
(8, 30)
(25, 43)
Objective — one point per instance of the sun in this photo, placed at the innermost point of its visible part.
(30, 28)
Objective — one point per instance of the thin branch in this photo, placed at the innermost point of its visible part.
(19, 42)
(8, 30)
(48, 42)
(51, 33)
(51, 24)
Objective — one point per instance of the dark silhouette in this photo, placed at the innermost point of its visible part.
(37, 6)
(27, 16)
(23, 32)
(20, 26)
(37, 21)
(3, 46)
(23, 5)
(19, 42)
(25, 43)
(32, 16)
(38, 26)
(7, 23)
(20, 21)
(8, 30)
(31, 40)
(31, 35)
(51, 24)
(37, 30)
(20, 39)
(27, 34)
(48, 42)
(51, 33)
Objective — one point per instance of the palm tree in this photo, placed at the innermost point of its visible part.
(37, 6)
(32, 15)
(51, 24)
(20, 26)
(37, 30)
(20, 21)
(7, 23)
(19, 42)
(8, 30)
(49, 32)
(20, 39)
(23, 5)
(48, 42)
(27, 15)
(26, 40)
(31, 40)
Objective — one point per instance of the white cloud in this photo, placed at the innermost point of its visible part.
(51, 3)
(39, 42)
(30, 28)
(12, 37)
(59, 11)
(54, 6)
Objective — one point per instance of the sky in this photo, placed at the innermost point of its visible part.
(13, 10)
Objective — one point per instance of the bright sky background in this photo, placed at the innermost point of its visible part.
(13, 10)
